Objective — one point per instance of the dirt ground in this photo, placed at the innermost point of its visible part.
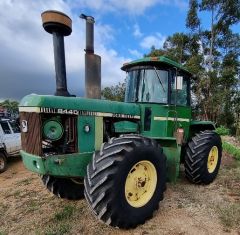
(26, 207)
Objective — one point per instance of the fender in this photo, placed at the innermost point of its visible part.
(197, 126)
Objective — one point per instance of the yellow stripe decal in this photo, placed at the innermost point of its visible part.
(98, 132)
(75, 112)
(171, 119)
(29, 109)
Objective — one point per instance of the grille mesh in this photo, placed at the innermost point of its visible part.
(32, 139)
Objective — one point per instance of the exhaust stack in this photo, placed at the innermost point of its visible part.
(92, 62)
(59, 25)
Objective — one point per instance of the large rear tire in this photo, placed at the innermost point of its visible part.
(64, 187)
(125, 181)
(203, 157)
(3, 163)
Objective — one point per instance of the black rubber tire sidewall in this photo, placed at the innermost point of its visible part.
(3, 157)
(64, 187)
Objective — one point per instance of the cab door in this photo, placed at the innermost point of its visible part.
(179, 113)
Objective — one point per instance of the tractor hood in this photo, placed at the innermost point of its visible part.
(78, 106)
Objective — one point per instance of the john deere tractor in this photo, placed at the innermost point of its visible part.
(118, 155)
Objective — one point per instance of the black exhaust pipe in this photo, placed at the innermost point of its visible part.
(59, 25)
(92, 62)
(89, 33)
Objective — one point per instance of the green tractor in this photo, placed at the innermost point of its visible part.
(118, 155)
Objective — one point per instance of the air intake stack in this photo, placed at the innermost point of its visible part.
(92, 62)
(59, 25)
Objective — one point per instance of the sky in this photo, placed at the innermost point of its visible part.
(124, 30)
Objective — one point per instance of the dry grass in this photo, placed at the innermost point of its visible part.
(229, 209)
(230, 215)
(28, 208)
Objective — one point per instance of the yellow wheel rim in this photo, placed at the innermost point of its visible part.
(212, 159)
(140, 183)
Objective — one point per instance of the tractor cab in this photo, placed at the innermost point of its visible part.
(157, 80)
(161, 87)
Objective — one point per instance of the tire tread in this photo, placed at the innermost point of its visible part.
(197, 155)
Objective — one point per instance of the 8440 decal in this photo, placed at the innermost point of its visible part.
(86, 113)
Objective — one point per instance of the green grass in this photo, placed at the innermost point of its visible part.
(231, 149)
(65, 213)
(57, 229)
(3, 233)
(60, 223)
(33, 205)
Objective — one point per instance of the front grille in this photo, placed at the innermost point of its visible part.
(71, 134)
(34, 142)
(32, 139)
(68, 142)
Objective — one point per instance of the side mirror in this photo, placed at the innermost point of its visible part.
(178, 84)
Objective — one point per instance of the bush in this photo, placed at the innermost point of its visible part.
(223, 130)
(231, 149)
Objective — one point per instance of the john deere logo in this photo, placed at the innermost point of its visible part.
(24, 126)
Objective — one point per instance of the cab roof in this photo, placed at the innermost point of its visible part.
(154, 60)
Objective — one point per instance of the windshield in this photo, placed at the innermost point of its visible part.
(147, 85)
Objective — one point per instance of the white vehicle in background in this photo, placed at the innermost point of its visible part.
(10, 141)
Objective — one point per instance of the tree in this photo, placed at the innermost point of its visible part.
(115, 93)
(177, 47)
(213, 58)
(216, 88)
(155, 52)
(228, 13)
(11, 106)
(192, 21)
(229, 79)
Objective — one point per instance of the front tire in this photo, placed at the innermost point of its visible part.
(203, 157)
(125, 181)
(64, 187)
(3, 163)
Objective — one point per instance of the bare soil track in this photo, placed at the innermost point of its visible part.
(26, 207)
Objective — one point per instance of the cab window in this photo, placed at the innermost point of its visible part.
(180, 96)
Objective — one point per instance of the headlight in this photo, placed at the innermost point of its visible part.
(87, 128)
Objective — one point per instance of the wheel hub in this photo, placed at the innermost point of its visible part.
(212, 159)
(140, 183)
